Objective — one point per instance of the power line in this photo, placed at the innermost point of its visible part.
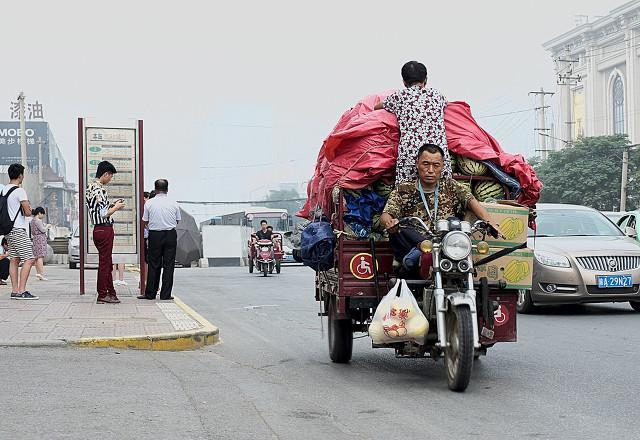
(507, 113)
(256, 165)
(244, 202)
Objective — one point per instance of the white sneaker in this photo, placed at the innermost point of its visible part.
(41, 277)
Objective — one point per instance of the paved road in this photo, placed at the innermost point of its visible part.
(572, 375)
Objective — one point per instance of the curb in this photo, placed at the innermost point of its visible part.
(209, 334)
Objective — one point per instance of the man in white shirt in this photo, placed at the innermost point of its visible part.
(20, 249)
(161, 215)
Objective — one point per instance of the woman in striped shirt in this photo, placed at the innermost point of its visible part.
(100, 210)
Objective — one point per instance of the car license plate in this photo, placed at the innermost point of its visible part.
(614, 281)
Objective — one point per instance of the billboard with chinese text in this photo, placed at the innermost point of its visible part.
(118, 145)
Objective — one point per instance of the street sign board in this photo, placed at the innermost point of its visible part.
(121, 144)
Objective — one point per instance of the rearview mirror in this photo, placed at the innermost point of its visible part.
(630, 232)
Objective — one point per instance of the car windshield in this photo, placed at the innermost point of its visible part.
(573, 223)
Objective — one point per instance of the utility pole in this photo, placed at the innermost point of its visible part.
(40, 176)
(568, 79)
(23, 129)
(542, 129)
(625, 171)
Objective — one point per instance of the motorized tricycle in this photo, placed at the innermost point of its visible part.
(466, 315)
(265, 255)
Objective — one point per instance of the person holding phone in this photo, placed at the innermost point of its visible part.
(100, 212)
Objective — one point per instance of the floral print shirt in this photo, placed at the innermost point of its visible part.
(420, 113)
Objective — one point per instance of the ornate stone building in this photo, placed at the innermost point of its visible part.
(598, 72)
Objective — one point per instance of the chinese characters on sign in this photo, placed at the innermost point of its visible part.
(32, 111)
(118, 146)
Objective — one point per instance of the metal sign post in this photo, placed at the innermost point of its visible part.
(121, 144)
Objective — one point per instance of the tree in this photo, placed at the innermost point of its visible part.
(290, 205)
(588, 173)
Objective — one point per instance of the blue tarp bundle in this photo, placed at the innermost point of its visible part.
(317, 244)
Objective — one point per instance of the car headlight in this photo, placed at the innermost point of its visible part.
(456, 245)
(551, 259)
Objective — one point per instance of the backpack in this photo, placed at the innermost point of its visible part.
(317, 244)
(6, 223)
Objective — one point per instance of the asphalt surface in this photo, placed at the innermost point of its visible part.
(572, 375)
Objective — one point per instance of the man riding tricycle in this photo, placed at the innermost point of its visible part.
(419, 292)
(265, 250)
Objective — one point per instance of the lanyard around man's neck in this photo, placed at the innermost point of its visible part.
(433, 218)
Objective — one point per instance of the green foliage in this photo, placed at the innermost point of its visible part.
(285, 194)
(588, 173)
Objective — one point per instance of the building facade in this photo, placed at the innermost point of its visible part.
(598, 73)
(46, 173)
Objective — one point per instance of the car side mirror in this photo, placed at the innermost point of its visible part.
(630, 232)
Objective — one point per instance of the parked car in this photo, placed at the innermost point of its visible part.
(581, 257)
(74, 249)
(614, 216)
(630, 220)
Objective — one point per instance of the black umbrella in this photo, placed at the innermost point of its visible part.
(189, 240)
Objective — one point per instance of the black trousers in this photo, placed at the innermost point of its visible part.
(4, 269)
(162, 259)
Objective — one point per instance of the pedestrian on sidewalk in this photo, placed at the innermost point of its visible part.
(20, 250)
(100, 211)
(118, 275)
(4, 262)
(39, 241)
(161, 215)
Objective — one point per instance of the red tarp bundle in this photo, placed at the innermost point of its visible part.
(363, 148)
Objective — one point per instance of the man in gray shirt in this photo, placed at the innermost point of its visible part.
(161, 215)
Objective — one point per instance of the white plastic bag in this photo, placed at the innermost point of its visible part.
(398, 318)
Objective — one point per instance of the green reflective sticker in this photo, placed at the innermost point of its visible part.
(95, 149)
(94, 162)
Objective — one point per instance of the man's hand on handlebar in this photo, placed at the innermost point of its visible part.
(389, 223)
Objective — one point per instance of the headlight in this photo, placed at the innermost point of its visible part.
(264, 248)
(456, 245)
(553, 260)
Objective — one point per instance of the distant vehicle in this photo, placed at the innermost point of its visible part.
(287, 248)
(581, 257)
(74, 249)
(630, 220)
(614, 216)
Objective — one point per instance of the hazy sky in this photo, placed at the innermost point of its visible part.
(259, 84)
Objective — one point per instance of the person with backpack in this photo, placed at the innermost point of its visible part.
(14, 210)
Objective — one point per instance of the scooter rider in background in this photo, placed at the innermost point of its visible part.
(264, 233)
(431, 197)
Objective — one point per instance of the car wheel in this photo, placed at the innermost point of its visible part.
(73, 265)
(524, 303)
(635, 305)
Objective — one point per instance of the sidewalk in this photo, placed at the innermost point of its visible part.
(63, 317)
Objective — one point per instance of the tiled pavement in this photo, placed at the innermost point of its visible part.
(62, 314)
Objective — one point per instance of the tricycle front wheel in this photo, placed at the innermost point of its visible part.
(458, 357)
(340, 336)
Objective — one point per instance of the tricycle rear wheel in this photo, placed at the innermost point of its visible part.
(458, 357)
(278, 267)
(340, 336)
(524, 304)
(250, 265)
